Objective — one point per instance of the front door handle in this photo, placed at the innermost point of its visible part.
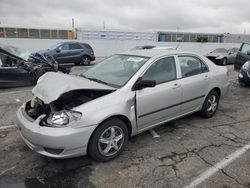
(176, 86)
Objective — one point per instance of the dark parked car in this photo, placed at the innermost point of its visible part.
(223, 56)
(144, 47)
(72, 53)
(244, 74)
(20, 68)
(242, 56)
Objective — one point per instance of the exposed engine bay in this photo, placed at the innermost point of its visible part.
(30, 65)
(66, 102)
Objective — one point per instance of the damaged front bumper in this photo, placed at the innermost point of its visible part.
(244, 76)
(53, 142)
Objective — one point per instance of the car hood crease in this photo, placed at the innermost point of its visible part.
(52, 85)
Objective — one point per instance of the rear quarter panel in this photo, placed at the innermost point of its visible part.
(219, 79)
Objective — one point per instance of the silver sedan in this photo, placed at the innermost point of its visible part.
(97, 112)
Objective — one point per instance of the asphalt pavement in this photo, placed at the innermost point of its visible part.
(190, 152)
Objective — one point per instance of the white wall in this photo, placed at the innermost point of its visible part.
(109, 47)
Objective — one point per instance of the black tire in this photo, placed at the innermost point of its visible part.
(209, 108)
(85, 60)
(242, 83)
(224, 61)
(97, 149)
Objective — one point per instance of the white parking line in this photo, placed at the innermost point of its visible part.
(7, 127)
(218, 166)
(12, 92)
(232, 80)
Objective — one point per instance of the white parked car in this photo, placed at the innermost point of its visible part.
(97, 112)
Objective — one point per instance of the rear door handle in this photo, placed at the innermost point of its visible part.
(176, 86)
(206, 77)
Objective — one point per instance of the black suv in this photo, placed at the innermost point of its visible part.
(242, 56)
(67, 53)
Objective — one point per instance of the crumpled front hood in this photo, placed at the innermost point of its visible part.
(14, 52)
(52, 85)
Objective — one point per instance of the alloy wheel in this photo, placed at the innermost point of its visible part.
(212, 104)
(85, 61)
(111, 141)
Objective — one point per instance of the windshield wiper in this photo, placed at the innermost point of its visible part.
(99, 81)
(96, 80)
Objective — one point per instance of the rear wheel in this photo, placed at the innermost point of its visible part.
(108, 140)
(85, 60)
(210, 105)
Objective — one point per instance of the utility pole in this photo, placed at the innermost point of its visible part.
(104, 25)
(177, 33)
(73, 24)
(73, 28)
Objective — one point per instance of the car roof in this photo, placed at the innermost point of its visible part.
(154, 52)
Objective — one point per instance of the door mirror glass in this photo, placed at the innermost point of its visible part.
(145, 83)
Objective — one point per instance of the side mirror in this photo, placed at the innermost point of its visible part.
(145, 83)
(58, 50)
(248, 52)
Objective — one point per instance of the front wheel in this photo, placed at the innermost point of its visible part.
(210, 105)
(108, 140)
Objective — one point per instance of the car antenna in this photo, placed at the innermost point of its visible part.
(178, 45)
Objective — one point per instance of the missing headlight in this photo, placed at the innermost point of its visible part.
(36, 108)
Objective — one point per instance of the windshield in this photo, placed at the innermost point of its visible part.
(23, 54)
(55, 46)
(220, 50)
(116, 70)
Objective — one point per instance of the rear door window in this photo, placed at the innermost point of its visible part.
(191, 66)
(74, 46)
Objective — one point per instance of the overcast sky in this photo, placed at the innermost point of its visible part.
(215, 16)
